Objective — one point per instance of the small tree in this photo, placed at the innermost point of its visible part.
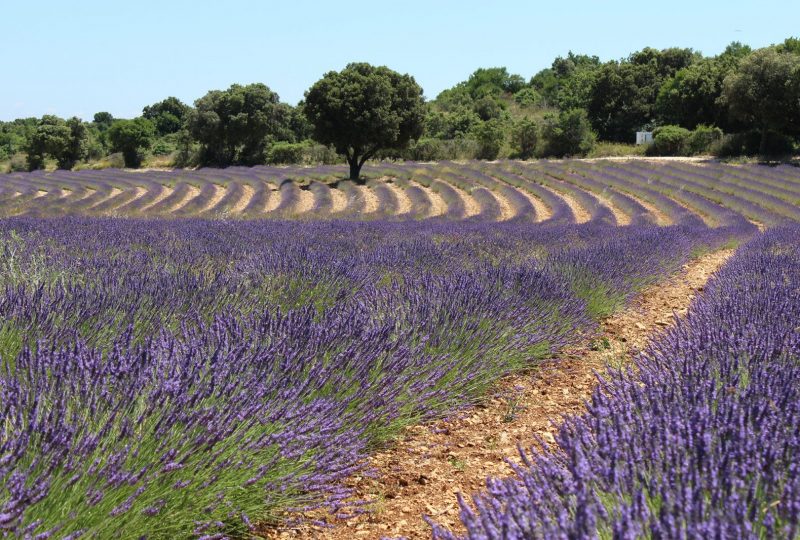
(65, 141)
(167, 115)
(235, 126)
(524, 136)
(364, 109)
(132, 138)
(490, 137)
(568, 134)
(669, 141)
(764, 93)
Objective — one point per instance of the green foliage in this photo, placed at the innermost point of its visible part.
(623, 94)
(103, 120)
(611, 149)
(132, 138)
(488, 108)
(669, 141)
(703, 139)
(568, 134)
(490, 137)
(236, 125)
(284, 152)
(167, 115)
(764, 94)
(524, 138)
(364, 109)
(527, 97)
(450, 124)
(492, 82)
(66, 141)
(567, 83)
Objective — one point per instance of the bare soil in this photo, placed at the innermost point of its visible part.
(582, 215)
(191, 194)
(247, 195)
(338, 200)
(428, 465)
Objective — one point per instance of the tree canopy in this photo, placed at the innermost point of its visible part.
(167, 115)
(132, 138)
(764, 93)
(364, 109)
(63, 140)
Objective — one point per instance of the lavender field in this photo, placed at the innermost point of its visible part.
(212, 353)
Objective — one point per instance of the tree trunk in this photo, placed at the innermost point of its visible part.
(762, 149)
(355, 168)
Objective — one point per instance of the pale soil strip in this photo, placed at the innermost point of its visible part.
(543, 212)
(438, 206)
(471, 206)
(582, 215)
(705, 217)
(244, 200)
(274, 199)
(88, 192)
(193, 192)
(140, 192)
(371, 201)
(338, 200)
(403, 202)
(219, 194)
(305, 202)
(114, 192)
(40, 193)
(166, 191)
(506, 210)
(621, 217)
(661, 218)
(423, 472)
(65, 193)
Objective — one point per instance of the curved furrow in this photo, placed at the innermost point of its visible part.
(787, 192)
(627, 210)
(257, 205)
(488, 205)
(203, 198)
(578, 210)
(176, 197)
(387, 199)
(229, 198)
(289, 198)
(420, 203)
(554, 209)
(155, 194)
(113, 204)
(246, 194)
(661, 209)
(338, 200)
(355, 200)
(437, 205)
(518, 205)
(709, 187)
(404, 204)
(323, 200)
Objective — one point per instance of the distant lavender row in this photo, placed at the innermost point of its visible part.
(699, 439)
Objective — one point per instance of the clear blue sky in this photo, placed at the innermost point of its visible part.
(84, 56)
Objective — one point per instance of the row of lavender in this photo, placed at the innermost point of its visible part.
(714, 192)
(699, 439)
(170, 378)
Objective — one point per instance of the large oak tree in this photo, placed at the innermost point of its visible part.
(364, 109)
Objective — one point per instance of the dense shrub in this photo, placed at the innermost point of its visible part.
(490, 137)
(702, 139)
(749, 143)
(568, 134)
(524, 137)
(283, 152)
(669, 141)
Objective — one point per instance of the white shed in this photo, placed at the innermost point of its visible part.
(644, 137)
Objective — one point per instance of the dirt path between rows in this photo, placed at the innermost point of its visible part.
(422, 473)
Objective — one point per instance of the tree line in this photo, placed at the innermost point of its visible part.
(738, 102)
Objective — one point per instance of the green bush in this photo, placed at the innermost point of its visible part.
(285, 153)
(568, 134)
(18, 163)
(527, 97)
(669, 141)
(490, 137)
(524, 137)
(702, 138)
(426, 149)
(749, 143)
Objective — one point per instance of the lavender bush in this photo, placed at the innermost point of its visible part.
(698, 440)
